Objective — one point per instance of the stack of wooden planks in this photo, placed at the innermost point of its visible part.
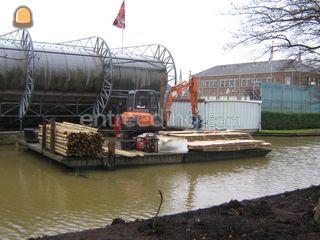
(215, 141)
(228, 145)
(124, 153)
(74, 140)
(206, 135)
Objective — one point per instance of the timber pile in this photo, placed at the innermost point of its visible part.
(192, 136)
(74, 140)
(228, 145)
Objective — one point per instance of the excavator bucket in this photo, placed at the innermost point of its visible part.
(197, 122)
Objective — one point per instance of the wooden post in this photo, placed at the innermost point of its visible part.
(21, 125)
(44, 134)
(112, 154)
(53, 135)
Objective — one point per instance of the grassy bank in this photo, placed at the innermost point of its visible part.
(291, 131)
(284, 216)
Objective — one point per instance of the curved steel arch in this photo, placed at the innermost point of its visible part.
(98, 46)
(151, 52)
(23, 37)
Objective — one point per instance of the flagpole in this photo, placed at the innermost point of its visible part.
(271, 80)
(122, 40)
(270, 61)
(123, 28)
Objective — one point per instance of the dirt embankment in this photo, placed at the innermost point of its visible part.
(283, 216)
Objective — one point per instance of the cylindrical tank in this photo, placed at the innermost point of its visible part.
(65, 75)
(12, 71)
(134, 72)
(72, 75)
(68, 75)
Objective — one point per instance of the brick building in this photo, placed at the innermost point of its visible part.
(241, 81)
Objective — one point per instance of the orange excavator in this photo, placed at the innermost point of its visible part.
(178, 89)
(142, 110)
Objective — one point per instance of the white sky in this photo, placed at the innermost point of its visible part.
(194, 31)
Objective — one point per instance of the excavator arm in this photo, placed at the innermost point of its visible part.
(176, 91)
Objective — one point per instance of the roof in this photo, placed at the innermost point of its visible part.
(255, 68)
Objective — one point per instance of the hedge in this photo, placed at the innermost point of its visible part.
(281, 120)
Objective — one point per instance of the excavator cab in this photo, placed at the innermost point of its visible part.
(142, 111)
(143, 101)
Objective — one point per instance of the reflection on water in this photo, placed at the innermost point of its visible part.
(41, 197)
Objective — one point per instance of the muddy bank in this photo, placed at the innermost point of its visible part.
(283, 216)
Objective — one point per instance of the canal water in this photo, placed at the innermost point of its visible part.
(38, 197)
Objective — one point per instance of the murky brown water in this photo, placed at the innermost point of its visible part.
(37, 197)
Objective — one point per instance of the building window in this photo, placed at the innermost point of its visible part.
(210, 84)
(287, 80)
(243, 82)
(204, 85)
(226, 83)
(221, 83)
(224, 97)
(232, 83)
(215, 84)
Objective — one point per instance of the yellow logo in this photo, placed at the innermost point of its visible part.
(22, 17)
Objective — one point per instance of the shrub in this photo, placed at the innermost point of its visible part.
(282, 120)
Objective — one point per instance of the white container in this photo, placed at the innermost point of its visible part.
(219, 114)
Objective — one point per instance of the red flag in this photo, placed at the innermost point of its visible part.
(120, 20)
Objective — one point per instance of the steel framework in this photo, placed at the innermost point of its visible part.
(151, 52)
(23, 38)
(98, 46)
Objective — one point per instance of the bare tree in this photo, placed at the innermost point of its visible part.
(292, 26)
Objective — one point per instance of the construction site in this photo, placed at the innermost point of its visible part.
(103, 137)
(51, 88)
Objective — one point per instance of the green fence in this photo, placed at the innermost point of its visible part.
(289, 98)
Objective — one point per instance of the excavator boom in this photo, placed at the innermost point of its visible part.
(175, 91)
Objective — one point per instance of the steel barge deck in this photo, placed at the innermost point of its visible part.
(145, 158)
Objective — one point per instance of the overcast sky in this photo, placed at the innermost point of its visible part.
(194, 31)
